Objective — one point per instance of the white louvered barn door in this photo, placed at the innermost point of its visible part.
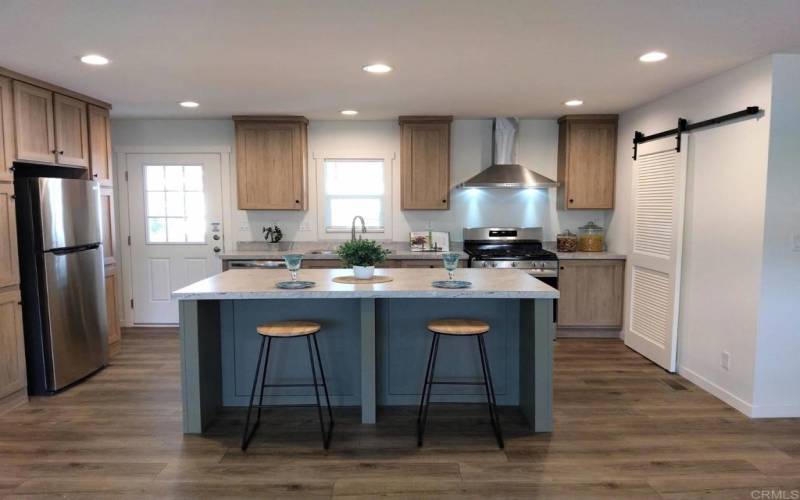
(654, 258)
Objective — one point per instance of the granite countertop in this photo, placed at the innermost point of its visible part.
(259, 250)
(551, 246)
(408, 283)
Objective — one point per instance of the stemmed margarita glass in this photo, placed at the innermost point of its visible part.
(293, 262)
(450, 262)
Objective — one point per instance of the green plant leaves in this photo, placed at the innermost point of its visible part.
(361, 253)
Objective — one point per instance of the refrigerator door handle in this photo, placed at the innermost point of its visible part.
(82, 248)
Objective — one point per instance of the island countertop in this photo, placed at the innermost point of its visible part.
(238, 284)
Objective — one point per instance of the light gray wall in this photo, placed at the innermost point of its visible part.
(778, 349)
(724, 223)
(471, 152)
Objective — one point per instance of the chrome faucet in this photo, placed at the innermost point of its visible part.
(353, 228)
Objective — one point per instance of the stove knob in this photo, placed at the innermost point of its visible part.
(513, 264)
(494, 264)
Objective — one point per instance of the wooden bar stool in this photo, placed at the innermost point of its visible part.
(463, 328)
(284, 330)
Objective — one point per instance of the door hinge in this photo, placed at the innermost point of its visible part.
(129, 240)
(126, 176)
(131, 303)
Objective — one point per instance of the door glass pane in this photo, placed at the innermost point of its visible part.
(176, 230)
(156, 229)
(155, 204)
(154, 178)
(193, 178)
(175, 209)
(175, 204)
(173, 178)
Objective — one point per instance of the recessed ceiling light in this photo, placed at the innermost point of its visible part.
(189, 104)
(94, 59)
(653, 56)
(573, 102)
(349, 112)
(377, 68)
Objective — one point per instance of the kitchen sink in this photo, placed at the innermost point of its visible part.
(322, 252)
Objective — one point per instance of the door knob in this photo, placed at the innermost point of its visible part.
(216, 237)
(216, 249)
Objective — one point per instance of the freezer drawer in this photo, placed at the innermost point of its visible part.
(70, 211)
(75, 323)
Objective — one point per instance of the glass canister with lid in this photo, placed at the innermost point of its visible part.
(591, 238)
(566, 242)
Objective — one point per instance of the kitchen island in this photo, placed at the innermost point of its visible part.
(373, 342)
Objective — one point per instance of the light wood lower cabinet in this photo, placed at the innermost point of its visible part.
(114, 332)
(9, 268)
(12, 345)
(591, 293)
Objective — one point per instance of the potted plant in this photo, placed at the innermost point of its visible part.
(362, 255)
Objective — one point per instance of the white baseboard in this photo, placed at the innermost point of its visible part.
(717, 391)
(776, 411)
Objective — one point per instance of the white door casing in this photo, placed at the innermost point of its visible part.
(158, 266)
(656, 245)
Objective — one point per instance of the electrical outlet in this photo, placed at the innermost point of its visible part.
(244, 228)
(304, 227)
(725, 360)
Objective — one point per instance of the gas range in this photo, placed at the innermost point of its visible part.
(510, 248)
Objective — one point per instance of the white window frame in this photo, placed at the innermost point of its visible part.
(147, 215)
(323, 232)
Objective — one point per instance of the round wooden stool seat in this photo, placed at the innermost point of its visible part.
(288, 328)
(458, 326)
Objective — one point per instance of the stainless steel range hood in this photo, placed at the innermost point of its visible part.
(505, 172)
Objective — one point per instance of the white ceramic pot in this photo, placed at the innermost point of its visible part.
(363, 272)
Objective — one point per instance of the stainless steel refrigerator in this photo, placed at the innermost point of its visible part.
(61, 269)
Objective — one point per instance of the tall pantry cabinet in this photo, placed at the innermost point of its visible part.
(44, 124)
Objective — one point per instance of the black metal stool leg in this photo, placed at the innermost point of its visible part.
(263, 381)
(429, 382)
(325, 441)
(425, 383)
(324, 384)
(490, 396)
(245, 436)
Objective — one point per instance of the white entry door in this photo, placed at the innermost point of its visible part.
(654, 259)
(176, 228)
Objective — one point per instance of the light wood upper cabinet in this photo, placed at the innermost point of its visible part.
(100, 145)
(271, 158)
(9, 269)
(12, 344)
(425, 162)
(33, 123)
(591, 293)
(114, 333)
(587, 151)
(109, 233)
(72, 131)
(7, 143)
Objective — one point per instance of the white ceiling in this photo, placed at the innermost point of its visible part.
(469, 58)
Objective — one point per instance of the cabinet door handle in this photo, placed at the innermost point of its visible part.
(444, 201)
(61, 152)
(13, 197)
(562, 268)
(571, 200)
(54, 151)
(297, 201)
(94, 175)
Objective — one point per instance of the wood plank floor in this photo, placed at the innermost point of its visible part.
(623, 429)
